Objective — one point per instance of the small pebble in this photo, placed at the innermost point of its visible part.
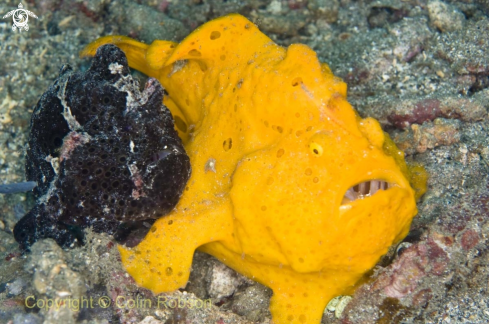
(150, 320)
(224, 281)
(444, 16)
(26, 319)
(338, 304)
(15, 287)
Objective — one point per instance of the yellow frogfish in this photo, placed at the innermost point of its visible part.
(289, 186)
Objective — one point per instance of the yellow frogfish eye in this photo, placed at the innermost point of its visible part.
(289, 185)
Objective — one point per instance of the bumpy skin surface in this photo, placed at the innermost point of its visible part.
(274, 147)
(103, 154)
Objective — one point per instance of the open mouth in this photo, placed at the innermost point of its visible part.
(365, 189)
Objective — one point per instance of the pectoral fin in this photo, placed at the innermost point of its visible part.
(162, 261)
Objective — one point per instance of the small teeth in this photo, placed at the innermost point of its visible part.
(365, 189)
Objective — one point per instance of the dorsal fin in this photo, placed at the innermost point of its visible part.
(148, 59)
(158, 52)
(223, 41)
(134, 50)
(229, 42)
(229, 37)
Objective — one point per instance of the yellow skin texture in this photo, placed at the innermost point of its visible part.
(287, 146)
